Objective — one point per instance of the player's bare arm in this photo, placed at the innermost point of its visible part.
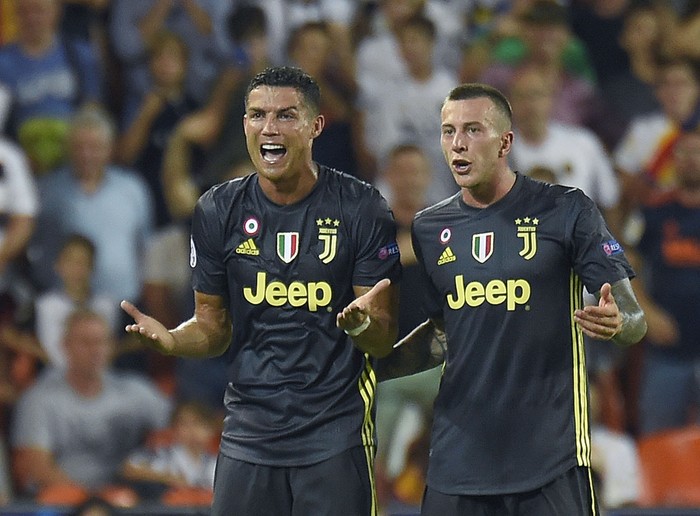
(372, 318)
(206, 334)
(422, 349)
(617, 316)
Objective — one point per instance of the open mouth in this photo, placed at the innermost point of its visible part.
(272, 153)
(461, 166)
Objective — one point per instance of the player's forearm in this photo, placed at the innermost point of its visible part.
(378, 338)
(634, 325)
(420, 350)
(197, 339)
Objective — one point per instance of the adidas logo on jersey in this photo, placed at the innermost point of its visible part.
(447, 256)
(248, 247)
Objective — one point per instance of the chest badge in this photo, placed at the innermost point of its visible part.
(328, 235)
(287, 245)
(527, 230)
(482, 246)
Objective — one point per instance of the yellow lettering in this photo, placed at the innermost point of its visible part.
(458, 302)
(257, 297)
(297, 294)
(512, 292)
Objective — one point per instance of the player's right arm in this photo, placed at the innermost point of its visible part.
(207, 333)
(422, 349)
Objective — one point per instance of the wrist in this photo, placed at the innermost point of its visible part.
(354, 332)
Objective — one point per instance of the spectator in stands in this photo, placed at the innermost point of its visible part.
(133, 25)
(574, 153)
(188, 459)
(669, 274)
(408, 109)
(546, 42)
(644, 156)
(149, 122)
(285, 16)
(75, 266)
(628, 92)
(77, 426)
(48, 77)
(109, 205)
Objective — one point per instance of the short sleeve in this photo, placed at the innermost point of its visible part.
(206, 248)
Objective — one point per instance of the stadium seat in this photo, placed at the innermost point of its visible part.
(187, 497)
(670, 464)
(62, 495)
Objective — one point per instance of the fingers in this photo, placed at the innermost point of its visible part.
(130, 309)
(598, 323)
(606, 296)
(382, 284)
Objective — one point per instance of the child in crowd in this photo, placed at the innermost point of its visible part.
(74, 266)
(188, 460)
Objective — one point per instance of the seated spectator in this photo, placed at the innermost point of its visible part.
(48, 77)
(75, 265)
(188, 460)
(110, 205)
(77, 426)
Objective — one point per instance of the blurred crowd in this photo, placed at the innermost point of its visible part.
(115, 115)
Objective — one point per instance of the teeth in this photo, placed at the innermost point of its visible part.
(272, 147)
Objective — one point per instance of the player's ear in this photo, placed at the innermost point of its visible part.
(319, 123)
(506, 143)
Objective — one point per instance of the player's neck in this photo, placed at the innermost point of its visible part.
(291, 189)
(486, 194)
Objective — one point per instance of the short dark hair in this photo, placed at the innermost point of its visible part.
(475, 90)
(292, 77)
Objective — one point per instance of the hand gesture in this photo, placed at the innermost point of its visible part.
(356, 314)
(602, 321)
(149, 331)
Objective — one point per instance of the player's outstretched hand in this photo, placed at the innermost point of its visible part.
(149, 331)
(602, 321)
(357, 313)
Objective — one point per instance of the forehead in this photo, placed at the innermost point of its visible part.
(476, 110)
(274, 97)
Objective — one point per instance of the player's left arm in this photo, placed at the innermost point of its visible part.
(371, 319)
(617, 316)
